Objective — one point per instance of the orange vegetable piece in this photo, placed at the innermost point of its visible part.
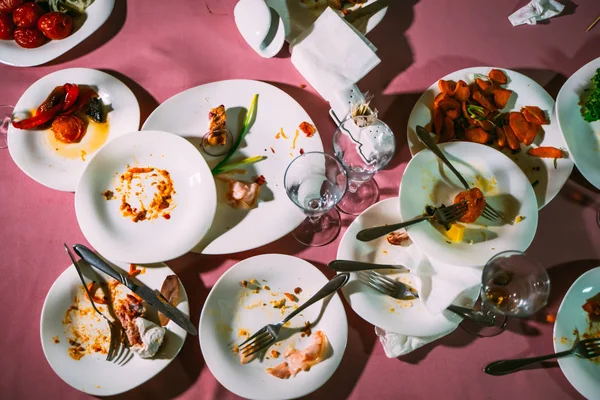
(531, 134)
(475, 204)
(535, 115)
(485, 124)
(498, 76)
(551, 318)
(477, 135)
(511, 138)
(519, 125)
(500, 137)
(501, 97)
(447, 86)
(450, 107)
(441, 96)
(462, 92)
(448, 131)
(438, 120)
(545, 152)
(483, 84)
(480, 98)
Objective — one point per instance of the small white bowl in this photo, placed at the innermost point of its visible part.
(260, 26)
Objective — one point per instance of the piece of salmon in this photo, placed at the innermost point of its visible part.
(301, 360)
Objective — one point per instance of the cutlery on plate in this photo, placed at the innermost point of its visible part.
(152, 297)
(269, 334)
(488, 212)
(116, 344)
(588, 348)
(399, 290)
(443, 215)
(355, 266)
(367, 11)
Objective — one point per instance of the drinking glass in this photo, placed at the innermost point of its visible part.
(316, 182)
(6, 114)
(513, 284)
(217, 143)
(363, 145)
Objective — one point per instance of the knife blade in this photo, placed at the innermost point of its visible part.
(152, 297)
(367, 10)
(355, 266)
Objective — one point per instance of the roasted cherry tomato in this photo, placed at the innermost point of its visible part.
(68, 128)
(9, 5)
(55, 25)
(475, 204)
(7, 28)
(27, 15)
(29, 37)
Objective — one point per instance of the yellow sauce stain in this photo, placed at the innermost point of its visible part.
(94, 138)
(484, 184)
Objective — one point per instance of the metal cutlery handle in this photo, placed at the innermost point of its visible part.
(354, 266)
(503, 367)
(474, 315)
(91, 258)
(369, 234)
(427, 140)
(330, 287)
(82, 278)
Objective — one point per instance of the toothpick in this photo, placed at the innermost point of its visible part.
(592, 25)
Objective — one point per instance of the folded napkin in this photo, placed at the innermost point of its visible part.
(536, 10)
(439, 285)
(332, 56)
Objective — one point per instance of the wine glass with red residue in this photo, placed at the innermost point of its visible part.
(6, 116)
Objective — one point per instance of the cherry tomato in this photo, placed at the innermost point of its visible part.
(27, 15)
(6, 26)
(29, 37)
(68, 128)
(475, 204)
(9, 5)
(55, 25)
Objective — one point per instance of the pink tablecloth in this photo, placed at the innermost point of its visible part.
(160, 48)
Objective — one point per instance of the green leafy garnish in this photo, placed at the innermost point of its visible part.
(590, 110)
(250, 117)
(242, 163)
(476, 112)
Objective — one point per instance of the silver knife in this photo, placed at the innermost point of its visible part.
(355, 266)
(152, 297)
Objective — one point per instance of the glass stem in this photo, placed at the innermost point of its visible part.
(314, 220)
(353, 185)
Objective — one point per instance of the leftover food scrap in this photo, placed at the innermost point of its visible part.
(217, 126)
(397, 238)
(475, 204)
(592, 306)
(301, 360)
(590, 105)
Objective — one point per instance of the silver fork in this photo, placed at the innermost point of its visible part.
(588, 348)
(489, 212)
(115, 331)
(443, 215)
(270, 333)
(399, 290)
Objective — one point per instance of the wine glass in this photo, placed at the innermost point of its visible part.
(316, 182)
(363, 145)
(6, 113)
(513, 284)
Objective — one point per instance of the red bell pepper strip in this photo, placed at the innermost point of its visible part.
(72, 91)
(38, 119)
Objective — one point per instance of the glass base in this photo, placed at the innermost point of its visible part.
(319, 231)
(485, 331)
(363, 197)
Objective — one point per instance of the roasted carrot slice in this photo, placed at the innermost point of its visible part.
(545, 152)
(498, 76)
(450, 107)
(485, 124)
(447, 86)
(438, 120)
(511, 138)
(441, 96)
(448, 131)
(477, 135)
(483, 84)
(501, 97)
(462, 92)
(480, 98)
(535, 115)
(518, 124)
(531, 134)
(500, 137)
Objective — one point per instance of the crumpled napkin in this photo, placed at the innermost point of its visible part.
(332, 55)
(536, 10)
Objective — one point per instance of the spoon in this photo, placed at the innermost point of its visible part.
(260, 26)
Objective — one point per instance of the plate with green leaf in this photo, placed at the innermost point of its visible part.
(578, 114)
(265, 125)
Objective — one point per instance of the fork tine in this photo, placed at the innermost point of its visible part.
(265, 335)
(494, 211)
(383, 277)
(259, 347)
(374, 286)
(489, 215)
(376, 277)
(258, 332)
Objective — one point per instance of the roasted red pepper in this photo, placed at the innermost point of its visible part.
(39, 119)
(72, 91)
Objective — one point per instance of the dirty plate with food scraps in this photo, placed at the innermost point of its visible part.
(549, 176)
(582, 137)
(235, 309)
(427, 181)
(145, 197)
(83, 26)
(92, 373)
(573, 321)
(58, 165)
(299, 15)
(407, 317)
(186, 114)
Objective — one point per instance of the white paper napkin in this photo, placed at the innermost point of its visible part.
(333, 56)
(536, 10)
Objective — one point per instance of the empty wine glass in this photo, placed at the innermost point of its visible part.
(364, 145)
(513, 284)
(6, 113)
(316, 182)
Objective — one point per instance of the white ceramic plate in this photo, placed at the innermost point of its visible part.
(408, 317)
(299, 15)
(230, 307)
(528, 93)
(426, 181)
(186, 114)
(583, 374)
(95, 16)
(93, 374)
(583, 138)
(33, 151)
(119, 238)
